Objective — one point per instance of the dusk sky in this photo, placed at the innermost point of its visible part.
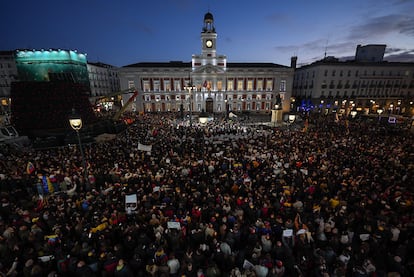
(123, 32)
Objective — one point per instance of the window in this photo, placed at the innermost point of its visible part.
(147, 98)
(259, 85)
(269, 85)
(258, 97)
(250, 85)
(177, 85)
(325, 73)
(239, 85)
(156, 85)
(147, 86)
(219, 85)
(167, 85)
(131, 84)
(258, 106)
(177, 98)
(333, 73)
(282, 85)
(230, 85)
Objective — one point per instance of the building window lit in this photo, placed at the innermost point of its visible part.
(131, 84)
(269, 85)
(230, 85)
(219, 85)
(250, 85)
(239, 85)
(167, 85)
(260, 85)
(147, 86)
(177, 85)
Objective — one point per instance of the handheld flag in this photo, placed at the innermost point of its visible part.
(30, 168)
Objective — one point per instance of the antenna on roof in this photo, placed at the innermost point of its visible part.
(326, 48)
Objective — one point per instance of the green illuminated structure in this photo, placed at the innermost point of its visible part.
(52, 65)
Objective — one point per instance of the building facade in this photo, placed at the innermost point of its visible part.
(8, 75)
(367, 87)
(208, 83)
(103, 79)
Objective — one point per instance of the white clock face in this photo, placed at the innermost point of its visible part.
(209, 43)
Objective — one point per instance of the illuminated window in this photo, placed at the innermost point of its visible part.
(250, 85)
(219, 85)
(259, 85)
(147, 86)
(230, 85)
(239, 85)
(258, 106)
(177, 85)
(177, 98)
(269, 85)
(131, 84)
(147, 98)
(167, 85)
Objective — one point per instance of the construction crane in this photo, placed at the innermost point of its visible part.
(125, 106)
(107, 98)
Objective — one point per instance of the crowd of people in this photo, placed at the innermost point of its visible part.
(334, 198)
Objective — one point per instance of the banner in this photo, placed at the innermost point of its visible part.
(143, 147)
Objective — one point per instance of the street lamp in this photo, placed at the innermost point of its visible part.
(353, 113)
(75, 122)
(379, 111)
(190, 87)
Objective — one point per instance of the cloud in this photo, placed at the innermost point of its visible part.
(383, 25)
(399, 55)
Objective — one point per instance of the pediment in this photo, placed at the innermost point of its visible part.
(209, 68)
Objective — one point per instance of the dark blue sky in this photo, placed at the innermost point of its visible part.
(122, 32)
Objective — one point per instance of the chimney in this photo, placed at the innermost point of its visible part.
(293, 61)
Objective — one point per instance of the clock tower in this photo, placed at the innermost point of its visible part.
(208, 36)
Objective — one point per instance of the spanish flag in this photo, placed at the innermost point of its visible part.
(30, 168)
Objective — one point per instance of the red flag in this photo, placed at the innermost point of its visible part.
(205, 84)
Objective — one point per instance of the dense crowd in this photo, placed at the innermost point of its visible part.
(334, 198)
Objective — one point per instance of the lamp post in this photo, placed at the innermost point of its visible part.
(75, 122)
(379, 111)
(353, 113)
(190, 87)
